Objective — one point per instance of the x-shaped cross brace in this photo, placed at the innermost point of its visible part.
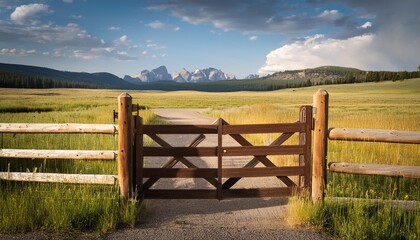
(263, 159)
(174, 160)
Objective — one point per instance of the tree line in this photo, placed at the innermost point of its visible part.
(14, 80)
(372, 76)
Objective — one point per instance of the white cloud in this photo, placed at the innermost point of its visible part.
(152, 45)
(317, 50)
(253, 38)
(122, 41)
(156, 24)
(164, 26)
(113, 28)
(332, 14)
(13, 52)
(366, 25)
(96, 53)
(25, 13)
(76, 16)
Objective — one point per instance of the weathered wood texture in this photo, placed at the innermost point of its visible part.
(125, 145)
(179, 129)
(57, 128)
(410, 205)
(263, 128)
(376, 169)
(58, 154)
(215, 175)
(59, 178)
(374, 135)
(320, 145)
(305, 139)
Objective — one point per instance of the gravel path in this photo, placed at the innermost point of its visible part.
(253, 218)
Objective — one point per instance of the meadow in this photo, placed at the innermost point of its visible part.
(385, 105)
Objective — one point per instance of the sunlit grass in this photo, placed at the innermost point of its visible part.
(62, 207)
(386, 105)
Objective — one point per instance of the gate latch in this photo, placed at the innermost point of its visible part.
(114, 115)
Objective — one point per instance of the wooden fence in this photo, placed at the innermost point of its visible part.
(322, 134)
(130, 158)
(26, 128)
(222, 189)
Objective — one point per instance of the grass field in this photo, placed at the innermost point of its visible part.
(386, 105)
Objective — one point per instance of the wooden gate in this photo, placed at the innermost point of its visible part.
(222, 179)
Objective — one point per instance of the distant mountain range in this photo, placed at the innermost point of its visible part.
(184, 76)
(209, 79)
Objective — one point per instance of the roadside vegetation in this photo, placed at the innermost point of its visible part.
(58, 207)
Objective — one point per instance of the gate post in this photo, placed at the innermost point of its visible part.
(320, 102)
(125, 145)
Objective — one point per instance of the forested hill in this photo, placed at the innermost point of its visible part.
(23, 76)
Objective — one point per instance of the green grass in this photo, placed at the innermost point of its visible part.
(58, 207)
(61, 207)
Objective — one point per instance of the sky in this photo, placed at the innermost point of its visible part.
(240, 37)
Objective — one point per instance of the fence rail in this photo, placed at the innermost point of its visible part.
(374, 135)
(68, 128)
(322, 134)
(376, 169)
(58, 154)
(59, 178)
(58, 128)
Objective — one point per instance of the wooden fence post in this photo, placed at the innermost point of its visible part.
(320, 103)
(125, 145)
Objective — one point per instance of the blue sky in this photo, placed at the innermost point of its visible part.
(239, 37)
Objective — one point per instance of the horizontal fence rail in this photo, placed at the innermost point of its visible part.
(374, 135)
(58, 154)
(179, 129)
(58, 128)
(65, 128)
(59, 178)
(376, 169)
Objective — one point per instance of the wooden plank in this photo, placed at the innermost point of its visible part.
(319, 162)
(305, 138)
(138, 157)
(221, 125)
(374, 135)
(59, 178)
(200, 138)
(179, 151)
(180, 194)
(257, 192)
(263, 128)
(376, 169)
(57, 128)
(403, 204)
(179, 129)
(180, 172)
(58, 154)
(263, 171)
(125, 145)
(263, 150)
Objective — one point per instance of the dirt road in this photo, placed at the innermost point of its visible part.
(210, 219)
